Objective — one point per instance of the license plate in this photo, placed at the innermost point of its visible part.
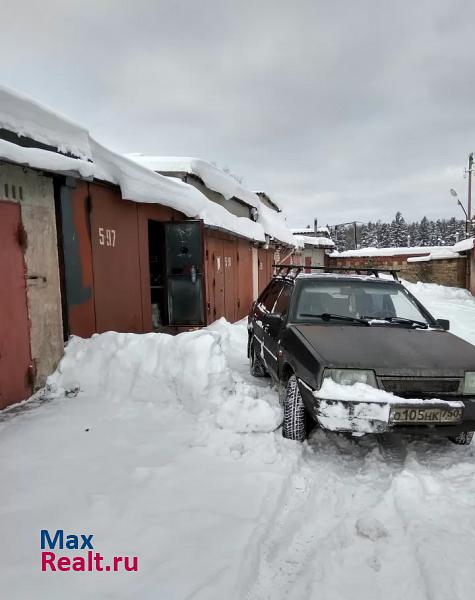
(405, 414)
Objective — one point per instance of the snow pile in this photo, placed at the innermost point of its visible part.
(443, 302)
(213, 178)
(211, 513)
(190, 368)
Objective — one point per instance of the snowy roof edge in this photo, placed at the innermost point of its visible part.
(25, 117)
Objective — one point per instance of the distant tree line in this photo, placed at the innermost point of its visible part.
(399, 234)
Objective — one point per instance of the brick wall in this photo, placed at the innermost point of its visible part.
(451, 272)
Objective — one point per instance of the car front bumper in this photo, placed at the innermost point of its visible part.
(361, 417)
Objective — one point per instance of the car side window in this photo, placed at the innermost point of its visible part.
(270, 295)
(282, 305)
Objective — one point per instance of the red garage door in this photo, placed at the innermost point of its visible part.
(15, 357)
(230, 278)
(115, 259)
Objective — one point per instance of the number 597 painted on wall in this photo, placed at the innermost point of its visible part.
(106, 237)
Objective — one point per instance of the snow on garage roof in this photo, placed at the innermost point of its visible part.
(27, 118)
(308, 229)
(24, 117)
(275, 226)
(45, 160)
(385, 251)
(272, 222)
(141, 184)
(320, 242)
(215, 179)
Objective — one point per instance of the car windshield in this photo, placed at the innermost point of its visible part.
(356, 300)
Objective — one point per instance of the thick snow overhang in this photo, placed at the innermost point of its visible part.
(212, 177)
(464, 245)
(274, 225)
(266, 198)
(442, 254)
(45, 160)
(29, 120)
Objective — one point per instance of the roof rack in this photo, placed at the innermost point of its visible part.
(292, 271)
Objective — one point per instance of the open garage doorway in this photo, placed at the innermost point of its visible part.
(158, 274)
(176, 273)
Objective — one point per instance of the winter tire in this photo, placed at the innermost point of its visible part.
(462, 439)
(257, 366)
(295, 418)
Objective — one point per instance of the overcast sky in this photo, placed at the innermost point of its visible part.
(342, 109)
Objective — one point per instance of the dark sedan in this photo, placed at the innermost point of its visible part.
(360, 354)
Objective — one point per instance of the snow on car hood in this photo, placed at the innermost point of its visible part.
(390, 350)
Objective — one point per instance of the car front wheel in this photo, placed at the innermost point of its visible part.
(295, 417)
(462, 439)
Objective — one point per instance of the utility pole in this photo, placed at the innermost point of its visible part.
(469, 195)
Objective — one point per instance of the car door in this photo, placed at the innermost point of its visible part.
(264, 304)
(271, 336)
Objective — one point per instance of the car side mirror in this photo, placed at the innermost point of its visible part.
(443, 323)
(272, 324)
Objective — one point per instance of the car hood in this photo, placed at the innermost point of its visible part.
(389, 350)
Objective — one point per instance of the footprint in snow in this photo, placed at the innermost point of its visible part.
(371, 528)
(374, 563)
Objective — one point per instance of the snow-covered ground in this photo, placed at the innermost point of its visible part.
(171, 452)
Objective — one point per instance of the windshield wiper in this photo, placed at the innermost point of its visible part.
(401, 321)
(331, 316)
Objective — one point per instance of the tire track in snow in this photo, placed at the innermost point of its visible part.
(317, 515)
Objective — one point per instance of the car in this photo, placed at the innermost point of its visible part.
(357, 352)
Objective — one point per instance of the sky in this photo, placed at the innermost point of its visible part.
(341, 110)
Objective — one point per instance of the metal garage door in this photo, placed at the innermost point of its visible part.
(15, 357)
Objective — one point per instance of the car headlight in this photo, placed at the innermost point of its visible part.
(469, 383)
(351, 376)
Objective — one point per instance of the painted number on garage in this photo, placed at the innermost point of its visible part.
(106, 237)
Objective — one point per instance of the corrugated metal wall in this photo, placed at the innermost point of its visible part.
(266, 260)
(245, 278)
(106, 257)
(115, 261)
(229, 276)
(107, 275)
